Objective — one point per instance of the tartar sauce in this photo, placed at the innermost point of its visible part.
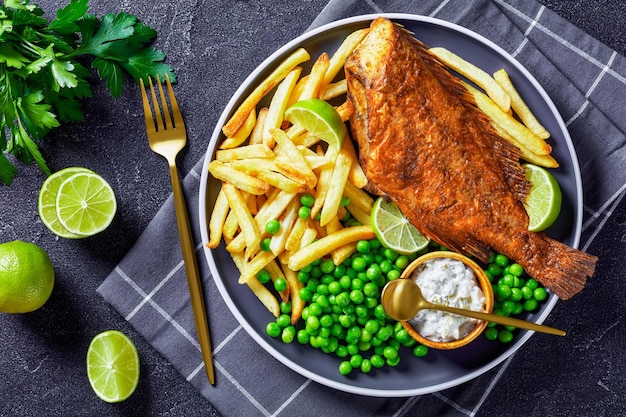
(448, 282)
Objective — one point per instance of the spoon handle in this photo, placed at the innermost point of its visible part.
(509, 321)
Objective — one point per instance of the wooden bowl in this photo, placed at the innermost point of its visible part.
(482, 281)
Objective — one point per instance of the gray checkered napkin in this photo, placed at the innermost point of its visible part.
(583, 77)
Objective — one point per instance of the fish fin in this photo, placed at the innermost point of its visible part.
(562, 269)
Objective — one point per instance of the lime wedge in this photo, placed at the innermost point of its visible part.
(394, 230)
(47, 206)
(112, 366)
(320, 119)
(85, 204)
(543, 203)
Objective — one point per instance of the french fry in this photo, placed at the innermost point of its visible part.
(249, 228)
(342, 53)
(218, 218)
(297, 303)
(519, 105)
(542, 160)
(330, 91)
(276, 272)
(241, 134)
(327, 244)
(276, 110)
(315, 79)
(345, 110)
(324, 176)
(341, 254)
(358, 197)
(475, 74)
(265, 170)
(277, 244)
(242, 181)
(260, 291)
(272, 209)
(338, 181)
(359, 214)
(296, 160)
(295, 235)
(256, 136)
(231, 226)
(357, 176)
(253, 267)
(309, 235)
(244, 152)
(239, 116)
(509, 124)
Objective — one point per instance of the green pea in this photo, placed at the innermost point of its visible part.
(366, 366)
(306, 294)
(530, 304)
(383, 334)
(420, 350)
(371, 290)
(402, 336)
(402, 261)
(334, 288)
(344, 201)
(390, 352)
(265, 244)
(345, 282)
(303, 337)
(495, 269)
(280, 284)
(516, 269)
(491, 333)
(501, 260)
(304, 212)
(273, 329)
(527, 292)
(307, 200)
(373, 272)
(505, 336)
(532, 283)
(272, 227)
(363, 246)
(288, 334)
(356, 360)
(283, 320)
(263, 276)
(313, 322)
(341, 351)
(503, 291)
(345, 368)
(358, 264)
(393, 274)
(377, 361)
(386, 266)
(540, 294)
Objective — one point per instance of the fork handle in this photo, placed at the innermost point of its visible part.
(193, 276)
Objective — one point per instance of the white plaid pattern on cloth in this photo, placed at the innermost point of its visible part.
(583, 77)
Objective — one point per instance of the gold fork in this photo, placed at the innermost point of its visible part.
(167, 139)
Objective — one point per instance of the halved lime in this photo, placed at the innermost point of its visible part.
(394, 230)
(85, 204)
(320, 119)
(543, 203)
(47, 202)
(112, 366)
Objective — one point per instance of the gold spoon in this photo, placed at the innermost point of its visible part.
(402, 299)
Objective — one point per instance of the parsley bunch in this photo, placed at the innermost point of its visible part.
(42, 79)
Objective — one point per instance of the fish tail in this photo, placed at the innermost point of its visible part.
(562, 269)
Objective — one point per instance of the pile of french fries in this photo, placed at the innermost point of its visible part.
(265, 164)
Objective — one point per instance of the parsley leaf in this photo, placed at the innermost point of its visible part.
(42, 82)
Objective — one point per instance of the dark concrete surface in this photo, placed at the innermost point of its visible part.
(42, 354)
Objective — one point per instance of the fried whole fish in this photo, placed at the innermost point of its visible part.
(424, 144)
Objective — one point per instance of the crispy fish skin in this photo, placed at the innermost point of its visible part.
(425, 145)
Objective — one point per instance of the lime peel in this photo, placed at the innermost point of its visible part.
(319, 118)
(394, 230)
(543, 203)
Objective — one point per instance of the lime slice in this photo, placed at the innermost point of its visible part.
(85, 204)
(394, 230)
(320, 119)
(47, 202)
(112, 366)
(543, 203)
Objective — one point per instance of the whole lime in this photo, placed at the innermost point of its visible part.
(26, 277)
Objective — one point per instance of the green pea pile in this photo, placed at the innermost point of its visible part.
(514, 293)
(343, 315)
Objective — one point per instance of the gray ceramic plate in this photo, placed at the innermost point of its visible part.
(440, 369)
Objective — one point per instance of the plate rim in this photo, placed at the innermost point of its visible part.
(351, 388)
